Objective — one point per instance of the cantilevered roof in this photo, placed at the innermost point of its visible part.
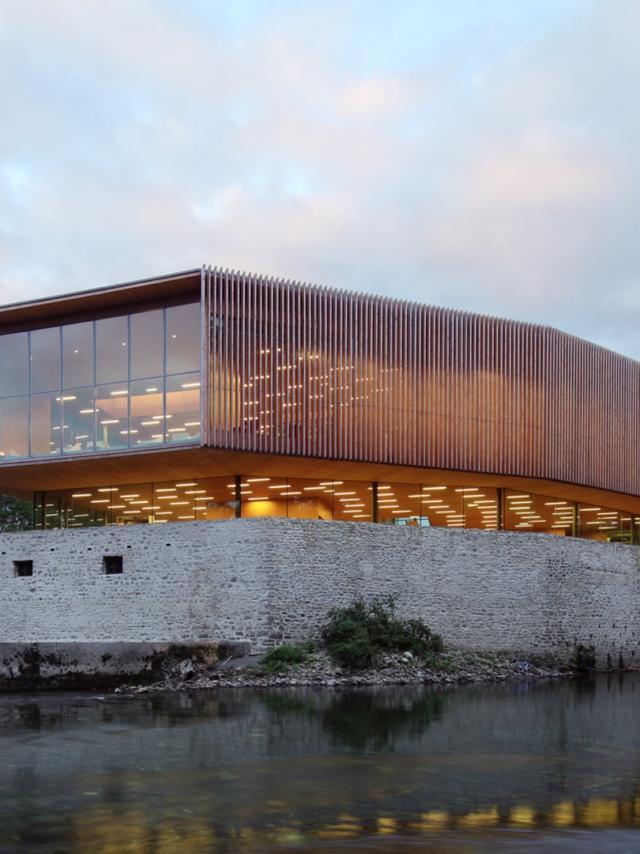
(99, 300)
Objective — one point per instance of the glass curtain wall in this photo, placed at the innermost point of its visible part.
(106, 385)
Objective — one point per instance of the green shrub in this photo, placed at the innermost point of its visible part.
(356, 634)
(283, 657)
(583, 659)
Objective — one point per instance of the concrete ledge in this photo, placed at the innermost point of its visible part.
(93, 665)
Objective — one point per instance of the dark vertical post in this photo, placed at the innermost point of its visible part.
(575, 522)
(238, 496)
(500, 508)
(374, 501)
(634, 530)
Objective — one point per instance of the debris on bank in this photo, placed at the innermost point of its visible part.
(451, 667)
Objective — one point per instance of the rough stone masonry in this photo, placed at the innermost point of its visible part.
(271, 580)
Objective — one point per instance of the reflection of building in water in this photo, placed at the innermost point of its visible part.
(208, 395)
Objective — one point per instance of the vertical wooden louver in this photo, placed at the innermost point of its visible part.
(301, 370)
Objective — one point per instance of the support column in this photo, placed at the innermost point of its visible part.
(238, 481)
(374, 501)
(500, 508)
(575, 522)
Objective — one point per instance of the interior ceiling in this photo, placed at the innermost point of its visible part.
(22, 479)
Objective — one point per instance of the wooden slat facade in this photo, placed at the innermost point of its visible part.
(309, 371)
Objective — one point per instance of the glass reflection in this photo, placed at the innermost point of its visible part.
(147, 335)
(183, 338)
(14, 377)
(112, 416)
(182, 417)
(14, 428)
(112, 353)
(77, 355)
(147, 411)
(45, 359)
(78, 421)
(542, 513)
(45, 424)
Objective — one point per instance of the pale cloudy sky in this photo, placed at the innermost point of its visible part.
(480, 154)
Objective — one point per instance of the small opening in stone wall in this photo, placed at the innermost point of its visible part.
(112, 564)
(22, 568)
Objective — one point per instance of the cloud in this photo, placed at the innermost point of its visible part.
(484, 159)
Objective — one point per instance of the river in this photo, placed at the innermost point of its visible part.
(513, 767)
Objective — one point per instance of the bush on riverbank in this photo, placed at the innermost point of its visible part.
(283, 657)
(356, 634)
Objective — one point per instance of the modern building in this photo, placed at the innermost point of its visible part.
(211, 394)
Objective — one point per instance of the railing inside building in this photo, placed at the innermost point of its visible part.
(403, 504)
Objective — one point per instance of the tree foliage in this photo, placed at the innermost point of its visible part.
(15, 514)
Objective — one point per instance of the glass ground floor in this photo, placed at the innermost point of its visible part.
(416, 504)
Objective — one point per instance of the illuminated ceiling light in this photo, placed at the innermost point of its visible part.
(149, 423)
(116, 506)
(118, 393)
(346, 493)
(99, 501)
(334, 483)
(186, 517)
(190, 483)
(66, 397)
(278, 486)
(81, 494)
(195, 491)
(164, 513)
(589, 509)
(190, 385)
(111, 421)
(261, 498)
(132, 512)
(257, 479)
(174, 503)
(206, 498)
(433, 488)
(149, 390)
(515, 497)
(468, 489)
(165, 489)
(87, 411)
(555, 503)
(177, 430)
(131, 495)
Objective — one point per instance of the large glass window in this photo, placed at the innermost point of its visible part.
(77, 355)
(14, 376)
(112, 349)
(14, 428)
(45, 359)
(147, 351)
(101, 385)
(183, 338)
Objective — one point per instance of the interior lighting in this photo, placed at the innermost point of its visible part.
(177, 430)
(87, 411)
(149, 423)
(99, 501)
(116, 506)
(278, 486)
(260, 498)
(515, 497)
(210, 497)
(186, 517)
(361, 515)
(164, 513)
(291, 492)
(190, 483)
(589, 509)
(132, 512)
(67, 397)
(81, 494)
(312, 488)
(257, 479)
(195, 491)
(118, 393)
(149, 390)
(164, 489)
(131, 495)
(173, 503)
(108, 489)
(446, 512)
(111, 421)
(335, 483)
(190, 385)
(139, 501)
(346, 493)
(433, 488)
(468, 489)
(555, 503)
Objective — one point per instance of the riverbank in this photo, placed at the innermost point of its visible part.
(318, 670)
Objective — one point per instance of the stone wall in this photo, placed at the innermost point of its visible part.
(269, 580)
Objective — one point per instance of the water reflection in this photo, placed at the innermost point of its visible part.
(458, 770)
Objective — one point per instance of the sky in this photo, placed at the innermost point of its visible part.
(475, 154)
